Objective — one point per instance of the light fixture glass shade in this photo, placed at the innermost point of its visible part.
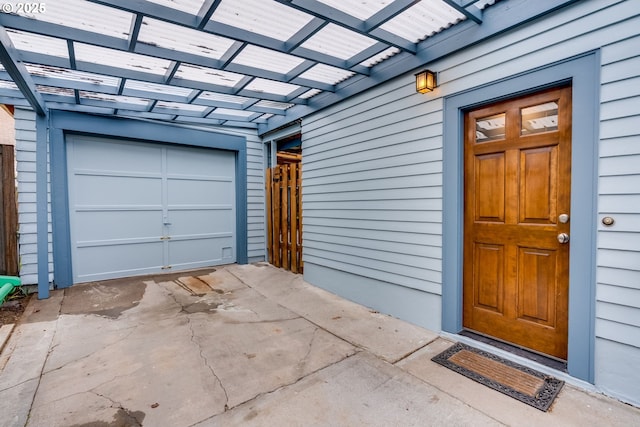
(425, 81)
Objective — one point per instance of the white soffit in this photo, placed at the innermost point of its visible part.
(266, 17)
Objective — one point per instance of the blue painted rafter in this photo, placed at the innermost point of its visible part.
(338, 17)
(12, 63)
(469, 9)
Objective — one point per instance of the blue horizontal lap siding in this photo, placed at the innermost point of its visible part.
(255, 197)
(618, 275)
(372, 189)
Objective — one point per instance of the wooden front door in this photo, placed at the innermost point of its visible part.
(517, 181)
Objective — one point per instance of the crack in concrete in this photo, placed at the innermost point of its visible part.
(201, 352)
(408, 354)
(132, 330)
(283, 386)
(207, 364)
(303, 362)
(257, 322)
(18, 384)
(44, 363)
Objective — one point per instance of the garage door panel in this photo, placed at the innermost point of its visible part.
(208, 251)
(202, 221)
(116, 156)
(200, 192)
(117, 190)
(118, 260)
(198, 161)
(121, 224)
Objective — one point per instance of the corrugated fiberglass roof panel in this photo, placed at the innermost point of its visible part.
(40, 44)
(271, 86)
(87, 16)
(266, 59)
(208, 75)
(326, 74)
(119, 59)
(338, 42)
(176, 37)
(265, 17)
(423, 20)
(188, 6)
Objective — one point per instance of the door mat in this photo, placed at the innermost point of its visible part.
(524, 384)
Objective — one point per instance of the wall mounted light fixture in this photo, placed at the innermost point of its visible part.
(425, 81)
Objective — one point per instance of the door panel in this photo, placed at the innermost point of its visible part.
(517, 183)
(490, 180)
(489, 276)
(538, 192)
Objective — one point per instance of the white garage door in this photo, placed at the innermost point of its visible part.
(141, 208)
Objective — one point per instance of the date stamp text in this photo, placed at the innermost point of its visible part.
(23, 8)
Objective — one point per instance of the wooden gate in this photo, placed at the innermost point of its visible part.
(284, 216)
(9, 217)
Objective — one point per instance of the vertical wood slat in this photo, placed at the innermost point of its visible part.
(293, 216)
(299, 216)
(269, 190)
(284, 202)
(9, 209)
(284, 216)
(277, 260)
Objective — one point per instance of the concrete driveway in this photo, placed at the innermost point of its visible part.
(245, 345)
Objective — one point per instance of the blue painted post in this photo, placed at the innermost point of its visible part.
(42, 207)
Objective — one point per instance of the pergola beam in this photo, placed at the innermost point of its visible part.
(11, 61)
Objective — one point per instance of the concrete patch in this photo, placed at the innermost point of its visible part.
(108, 298)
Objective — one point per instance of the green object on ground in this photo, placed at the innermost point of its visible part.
(7, 285)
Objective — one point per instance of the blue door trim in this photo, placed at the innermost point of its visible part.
(583, 72)
(62, 123)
